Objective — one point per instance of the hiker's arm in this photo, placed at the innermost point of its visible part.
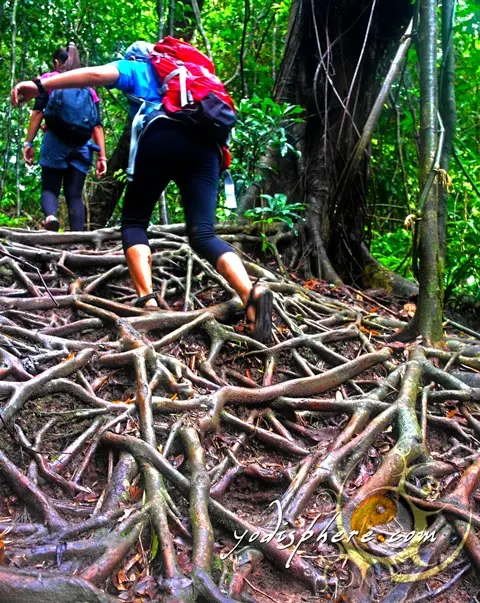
(99, 138)
(105, 75)
(33, 127)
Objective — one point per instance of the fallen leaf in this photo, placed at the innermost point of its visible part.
(410, 309)
(122, 576)
(146, 587)
(132, 561)
(135, 493)
(369, 331)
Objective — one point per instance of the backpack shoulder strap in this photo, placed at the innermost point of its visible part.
(138, 123)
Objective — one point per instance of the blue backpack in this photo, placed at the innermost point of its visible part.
(71, 114)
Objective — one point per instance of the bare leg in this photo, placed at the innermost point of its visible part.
(139, 262)
(230, 266)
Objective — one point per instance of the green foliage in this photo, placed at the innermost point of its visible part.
(6, 220)
(277, 211)
(394, 159)
(266, 25)
(121, 176)
(262, 124)
(154, 549)
(463, 268)
(388, 248)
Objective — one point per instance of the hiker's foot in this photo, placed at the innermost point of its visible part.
(148, 301)
(51, 223)
(151, 305)
(258, 309)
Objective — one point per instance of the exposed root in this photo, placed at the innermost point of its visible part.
(170, 455)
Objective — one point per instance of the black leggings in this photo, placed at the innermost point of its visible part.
(169, 151)
(73, 181)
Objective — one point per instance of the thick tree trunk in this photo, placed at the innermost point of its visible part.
(335, 55)
(427, 321)
(107, 193)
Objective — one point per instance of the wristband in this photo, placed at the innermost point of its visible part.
(102, 159)
(39, 85)
(28, 144)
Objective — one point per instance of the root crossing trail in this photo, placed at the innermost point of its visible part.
(167, 456)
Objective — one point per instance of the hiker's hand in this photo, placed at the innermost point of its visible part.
(28, 154)
(101, 167)
(23, 92)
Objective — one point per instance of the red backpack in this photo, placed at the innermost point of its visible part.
(192, 92)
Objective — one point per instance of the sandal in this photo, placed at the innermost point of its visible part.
(263, 305)
(141, 301)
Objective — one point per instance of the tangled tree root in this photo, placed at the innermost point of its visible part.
(166, 455)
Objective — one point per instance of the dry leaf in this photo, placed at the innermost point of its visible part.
(410, 309)
(135, 493)
(310, 284)
(369, 331)
(122, 577)
(132, 561)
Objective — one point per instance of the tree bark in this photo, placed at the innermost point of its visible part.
(448, 114)
(109, 190)
(427, 321)
(335, 55)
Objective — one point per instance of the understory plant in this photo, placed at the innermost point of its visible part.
(262, 125)
(277, 210)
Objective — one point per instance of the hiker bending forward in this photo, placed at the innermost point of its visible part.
(168, 150)
(64, 160)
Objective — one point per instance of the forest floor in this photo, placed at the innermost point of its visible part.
(167, 456)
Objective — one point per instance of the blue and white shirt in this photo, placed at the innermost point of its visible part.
(137, 78)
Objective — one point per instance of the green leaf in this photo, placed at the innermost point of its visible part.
(154, 550)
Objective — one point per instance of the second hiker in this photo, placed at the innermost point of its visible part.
(66, 154)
